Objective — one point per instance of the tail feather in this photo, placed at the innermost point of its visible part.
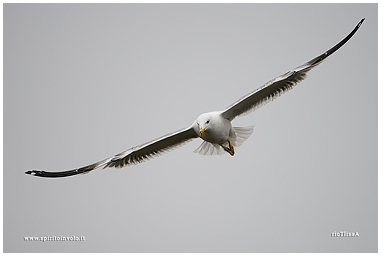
(209, 149)
(238, 136)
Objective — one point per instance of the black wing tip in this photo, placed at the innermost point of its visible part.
(320, 58)
(37, 173)
(45, 174)
(360, 23)
(32, 172)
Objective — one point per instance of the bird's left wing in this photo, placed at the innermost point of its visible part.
(133, 155)
(279, 85)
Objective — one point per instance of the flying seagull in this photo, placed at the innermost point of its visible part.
(214, 128)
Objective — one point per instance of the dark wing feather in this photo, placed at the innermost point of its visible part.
(131, 156)
(148, 150)
(279, 85)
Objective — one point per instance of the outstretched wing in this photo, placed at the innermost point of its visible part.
(279, 85)
(133, 155)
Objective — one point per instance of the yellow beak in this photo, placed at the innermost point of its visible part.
(201, 131)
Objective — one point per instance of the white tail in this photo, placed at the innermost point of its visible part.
(240, 134)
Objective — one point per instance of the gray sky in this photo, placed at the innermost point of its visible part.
(83, 82)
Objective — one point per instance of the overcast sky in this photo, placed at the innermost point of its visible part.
(84, 82)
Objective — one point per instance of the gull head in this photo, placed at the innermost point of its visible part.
(203, 122)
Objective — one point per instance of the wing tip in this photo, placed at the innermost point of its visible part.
(360, 23)
(32, 172)
(45, 174)
(37, 173)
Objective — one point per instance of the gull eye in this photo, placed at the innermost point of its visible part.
(207, 122)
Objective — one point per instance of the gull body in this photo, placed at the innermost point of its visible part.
(214, 128)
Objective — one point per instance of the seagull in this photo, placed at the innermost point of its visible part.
(214, 128)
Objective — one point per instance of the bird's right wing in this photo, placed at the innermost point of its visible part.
(148, 150)
(133, 155)
(279, 85)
